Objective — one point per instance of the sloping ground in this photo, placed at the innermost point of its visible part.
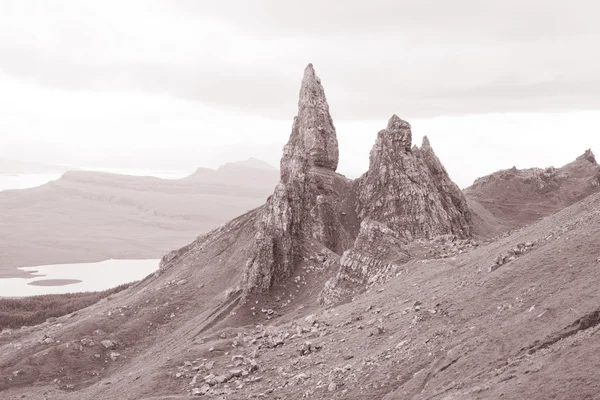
(439, 329)
(91, 216)
(513, 198)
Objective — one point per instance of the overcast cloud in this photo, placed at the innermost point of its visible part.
(95, 81)
(428, 58)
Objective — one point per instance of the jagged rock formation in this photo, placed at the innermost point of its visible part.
(313, 134)
(405, 195)
(409, 189)
(302, 206)
(376, 255)
(589, 156)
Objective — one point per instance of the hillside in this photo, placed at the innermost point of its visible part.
(92, 216)
(373, 288)
(513, 198)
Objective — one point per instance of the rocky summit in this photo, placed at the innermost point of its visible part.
(303, 207)
(405, 194)
(394, 285)
(408, 189)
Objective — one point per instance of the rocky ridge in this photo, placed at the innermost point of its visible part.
(512, 198)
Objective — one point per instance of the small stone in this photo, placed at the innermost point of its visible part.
(210, 379)
(301, 377)
(201, 391)
(236, 373)
(237, 360)
(253, 365)
(109, 344)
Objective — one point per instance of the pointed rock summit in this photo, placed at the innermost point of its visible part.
(410, 190)
(363, 226)
(302, 207)
(313, 134)
(588, 156)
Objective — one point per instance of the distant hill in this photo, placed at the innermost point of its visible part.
(512, 198)
(92, 216)
(251, 163)
(250, 172)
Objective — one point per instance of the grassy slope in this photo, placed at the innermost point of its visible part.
(29, 311)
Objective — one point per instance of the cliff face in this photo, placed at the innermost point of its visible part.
(405, 195)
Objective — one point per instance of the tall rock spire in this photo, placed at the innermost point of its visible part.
(313, 135)
(301, 208)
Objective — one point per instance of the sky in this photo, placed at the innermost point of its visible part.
(179, 84)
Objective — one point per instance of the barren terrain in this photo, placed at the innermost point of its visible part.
(392, 286)
(442, 329)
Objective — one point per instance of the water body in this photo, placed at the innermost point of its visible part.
(71, 278)
(25, 181)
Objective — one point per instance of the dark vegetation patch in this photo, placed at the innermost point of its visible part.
(28, 311)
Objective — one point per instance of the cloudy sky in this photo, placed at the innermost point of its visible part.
(177, 84)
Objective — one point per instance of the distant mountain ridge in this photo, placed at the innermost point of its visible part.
(92, 216)
(249, 163)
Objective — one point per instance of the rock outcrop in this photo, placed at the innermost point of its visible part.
(313, 134)
(405, 195)
(409, 189)
(589, 156)
(302, 207)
